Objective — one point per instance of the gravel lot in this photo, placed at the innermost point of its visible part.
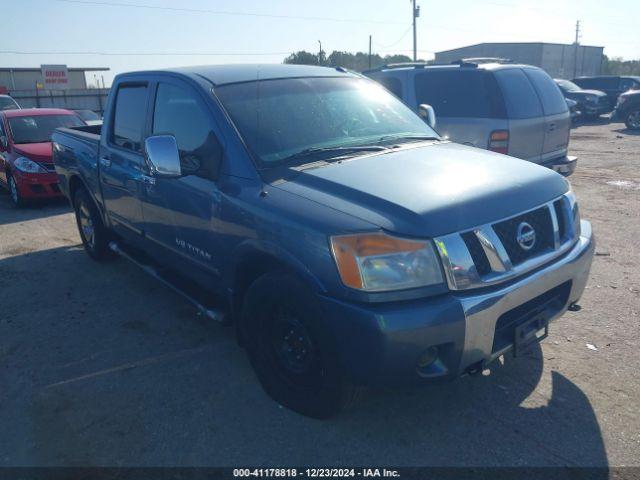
(101, 365)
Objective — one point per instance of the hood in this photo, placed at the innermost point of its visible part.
(597, 93)
(430, 190)
(39, 152)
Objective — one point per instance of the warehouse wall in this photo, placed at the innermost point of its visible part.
(529, 53)
(27, 80)
(79, 99)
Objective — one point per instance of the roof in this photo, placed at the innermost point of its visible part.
(223, 74)
(33, 112)
(39, 69)
(515, 43)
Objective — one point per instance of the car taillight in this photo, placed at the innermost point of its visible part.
(499, 141)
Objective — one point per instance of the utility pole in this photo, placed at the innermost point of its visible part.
(416, 14)
(575, 56)
(369, 52)
(320, 53)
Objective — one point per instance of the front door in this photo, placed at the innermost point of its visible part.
(3, 152)
(180, 214)
(122, 166)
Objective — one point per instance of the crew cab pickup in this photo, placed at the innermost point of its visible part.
(347, 241)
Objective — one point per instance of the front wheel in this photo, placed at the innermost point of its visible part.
(290, 348)
(93, 233)
(16, 198)
(633, 120)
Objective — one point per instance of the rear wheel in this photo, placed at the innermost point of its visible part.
(633, 120)
(290, 349)
(93, 233)
(14, 193)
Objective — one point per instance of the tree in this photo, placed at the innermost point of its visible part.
(618, 66)
(358, 61)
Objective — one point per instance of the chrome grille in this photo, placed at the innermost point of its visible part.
(490, 254)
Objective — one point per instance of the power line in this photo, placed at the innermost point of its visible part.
(228, 12)
(169, 54)
(397, 41)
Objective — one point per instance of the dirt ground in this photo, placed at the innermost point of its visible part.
(101, 365)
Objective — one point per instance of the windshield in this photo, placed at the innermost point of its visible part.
(278, 119)
(568, 86)
(39, 128)
(7, 103)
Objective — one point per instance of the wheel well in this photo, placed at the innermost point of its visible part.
(74, 184)
(248, 271)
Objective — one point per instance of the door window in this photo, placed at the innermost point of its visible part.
(553, 101)
(459, 93)
(180, 113)
(393, 84)
(130, 114)
(519, 95)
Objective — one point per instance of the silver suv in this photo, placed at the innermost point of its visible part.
(507, 108)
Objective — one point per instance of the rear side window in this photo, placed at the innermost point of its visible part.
(627, 84)
(393, 84)
(178, 112)
(519, 95)
(552, 99)
(606, 83)
(130, 114)
(459, 93)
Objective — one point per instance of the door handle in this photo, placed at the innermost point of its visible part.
(145, 179)
(552, 127)
(105, 162)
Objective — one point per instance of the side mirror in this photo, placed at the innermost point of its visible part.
(163, 156)
(428, 114)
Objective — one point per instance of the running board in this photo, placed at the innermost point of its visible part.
(213, 314)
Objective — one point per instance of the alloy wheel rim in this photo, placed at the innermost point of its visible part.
(86, 225)
(634, 119)
(14, 190)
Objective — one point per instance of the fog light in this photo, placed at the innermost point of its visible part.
(427, 357)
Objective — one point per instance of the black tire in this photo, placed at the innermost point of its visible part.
(94, 235)
(293, 356)
(633, 120)
(14, 194)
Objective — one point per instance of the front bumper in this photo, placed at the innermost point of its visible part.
(595, 108)
(37, 185)
(380, 344)
(563, 165)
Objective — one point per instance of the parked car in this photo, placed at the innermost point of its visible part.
(591, 103)
(347, 241)
(612, 85)
(573, 109)
(628, 109)
(89, 116)
(8, 103)
(504, 107)
(26, 163)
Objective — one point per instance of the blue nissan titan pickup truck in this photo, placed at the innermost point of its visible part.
(347, 241)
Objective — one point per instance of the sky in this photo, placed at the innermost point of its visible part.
(127, 35)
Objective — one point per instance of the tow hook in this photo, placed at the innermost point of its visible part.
(574, 307)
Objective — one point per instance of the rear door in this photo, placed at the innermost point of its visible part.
(3, 152)
(467, 103)
(527, 123)
(122, 166)
(556, 114)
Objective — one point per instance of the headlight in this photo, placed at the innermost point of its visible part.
(622, 99)
(378, 262)
(575, 212)
(591, 98)
(29, 166)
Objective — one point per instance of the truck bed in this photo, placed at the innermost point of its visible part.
(75, 154)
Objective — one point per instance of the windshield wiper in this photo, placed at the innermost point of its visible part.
(340, 151)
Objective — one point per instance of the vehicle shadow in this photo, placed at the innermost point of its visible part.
(37, 209)
(627, 131)
(106, 367)
(589, 122)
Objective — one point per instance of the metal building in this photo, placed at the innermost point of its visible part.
(557, 59)
(27, 78)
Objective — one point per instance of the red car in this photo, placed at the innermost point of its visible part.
(26, 164)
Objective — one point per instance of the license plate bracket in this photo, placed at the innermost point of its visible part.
(528, 333)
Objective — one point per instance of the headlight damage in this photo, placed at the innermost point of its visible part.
(376, 262)
(28, 166)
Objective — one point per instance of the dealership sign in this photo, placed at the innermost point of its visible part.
(55, 77)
